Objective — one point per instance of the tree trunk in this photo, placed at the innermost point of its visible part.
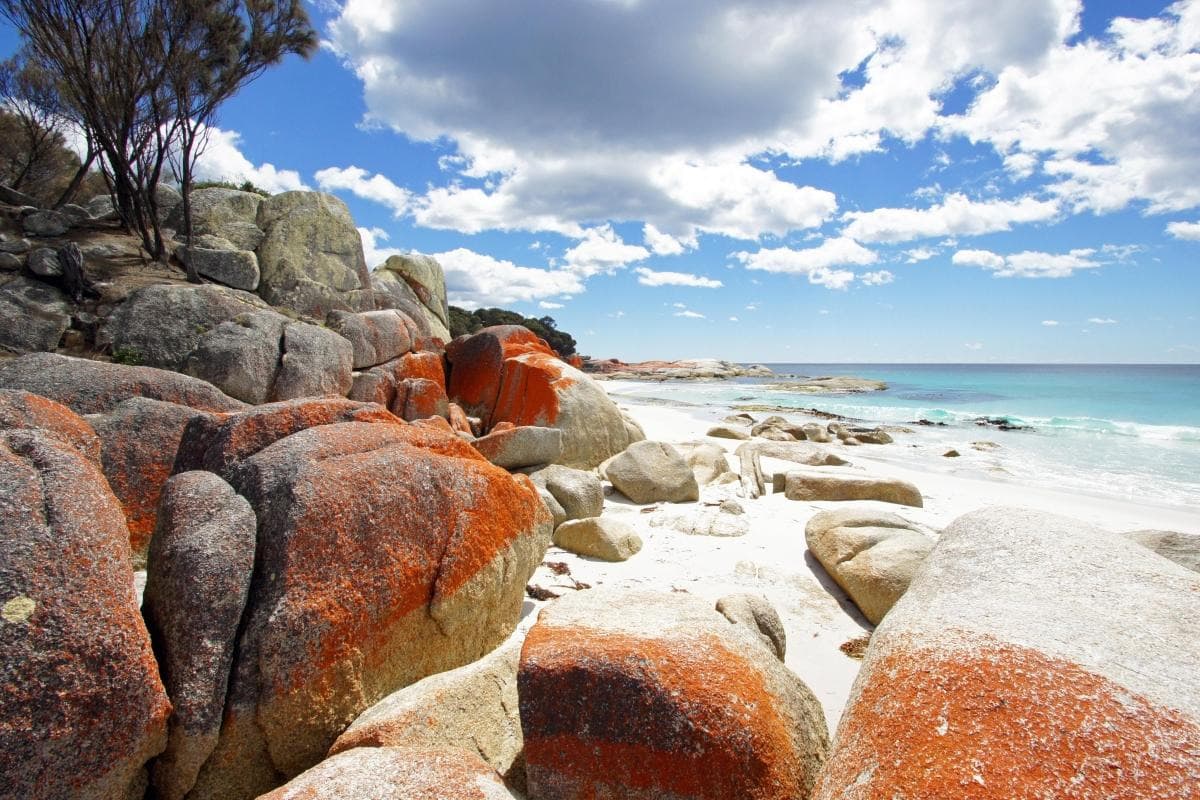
(68, 194)
(75, 281)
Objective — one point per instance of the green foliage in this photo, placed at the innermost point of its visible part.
(244, 186)
(462, 322)
(129, 356)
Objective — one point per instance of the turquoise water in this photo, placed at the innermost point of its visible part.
(1130, 430)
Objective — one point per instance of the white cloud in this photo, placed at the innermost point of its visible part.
(733, 319)
(919, 254)
(973, 345)
(222, 160)
(648, 277)
(816, 262)
(1184, 230)
(1050, 323)
(1029, 263)
(662, 244)
(877, 278)
(689, 314)
(548, 305)
(1102, 320)
(374, 250)
(956, 215)
(679, 305)
(752, 306)
(1112, 120)
(474, 280)
(375, 187)
(602, 251)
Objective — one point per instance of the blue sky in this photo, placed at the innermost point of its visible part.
(769, 180)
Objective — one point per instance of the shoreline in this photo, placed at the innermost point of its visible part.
(771, 560)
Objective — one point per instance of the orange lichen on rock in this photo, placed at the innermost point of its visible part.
(20, 409)
(423, 398)
(430, 366)
(478, 364)
(606, 714)
(1004, 721)
(217, 444)
(529, 394)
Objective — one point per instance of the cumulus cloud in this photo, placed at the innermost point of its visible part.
(1102, 320)
(1050, 323)
(1112, 120)
(818, 263)
(1184, 230)
(369, 187)
(956, 215)
(1029, 263)
(548, 305)
(223, 160)
(919, 254)
(374, 250)
(648, 277)
(474, 280)
(602, 251)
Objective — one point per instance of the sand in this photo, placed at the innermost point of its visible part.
(771, 560)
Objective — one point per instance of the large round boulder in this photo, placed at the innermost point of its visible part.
(83, 706)
(649, 695)
(43, 311)
(386, 553)
(311, 256)
(423, 276)
(652, 472)
(1032, 656)
(25, 411)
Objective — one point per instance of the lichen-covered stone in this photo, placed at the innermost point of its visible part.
(83, 706)
(42, 310)
(200, 563)
(386, 553)
(649, 695)
(25, 411)
(93, 387)
(1032, 656)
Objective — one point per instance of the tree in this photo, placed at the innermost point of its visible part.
(462, 322)
(144, 78)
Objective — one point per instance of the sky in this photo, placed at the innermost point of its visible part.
(766, 180)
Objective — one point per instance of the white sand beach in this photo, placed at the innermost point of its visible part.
(771, 559)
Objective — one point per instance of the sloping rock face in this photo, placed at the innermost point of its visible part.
(93, 387)
(377, 336)
(311, 257)
(227, 213)
(139, 441)
(425, 281)
(364, 584)
(397, 773)
(871, 555)
(506, 374)
(201, 561)
(219, 444)
(647, 695)
(24, 411)
(84, 708)
(1032, 656)
(473, 707)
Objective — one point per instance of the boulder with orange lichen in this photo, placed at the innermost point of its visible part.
(385, 553)
(647, 695)
(139, 441)
(507, 374)
(83, 706)
(423, 398)
(376, 336)
(24, 411)
(93, 387)
(397, 773)
(1032, 656)
(220, 443)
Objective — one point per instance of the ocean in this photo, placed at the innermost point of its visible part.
(1131, 431)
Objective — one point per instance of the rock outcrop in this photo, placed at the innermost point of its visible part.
(605, 538)
(1182, 548)
(93, 387)
(652, 472)
(421, 278)
(364, 584)
(227, 213)
(648, 695)
(524, 446)
(578, 492)
(24, 411)
(1032, 656)
(200, 564)
(686, 369)
(506, 374)
(311, 256)
(43, 312)
(759, 617)
(751, 454)
(872, 555)
(84, 708)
